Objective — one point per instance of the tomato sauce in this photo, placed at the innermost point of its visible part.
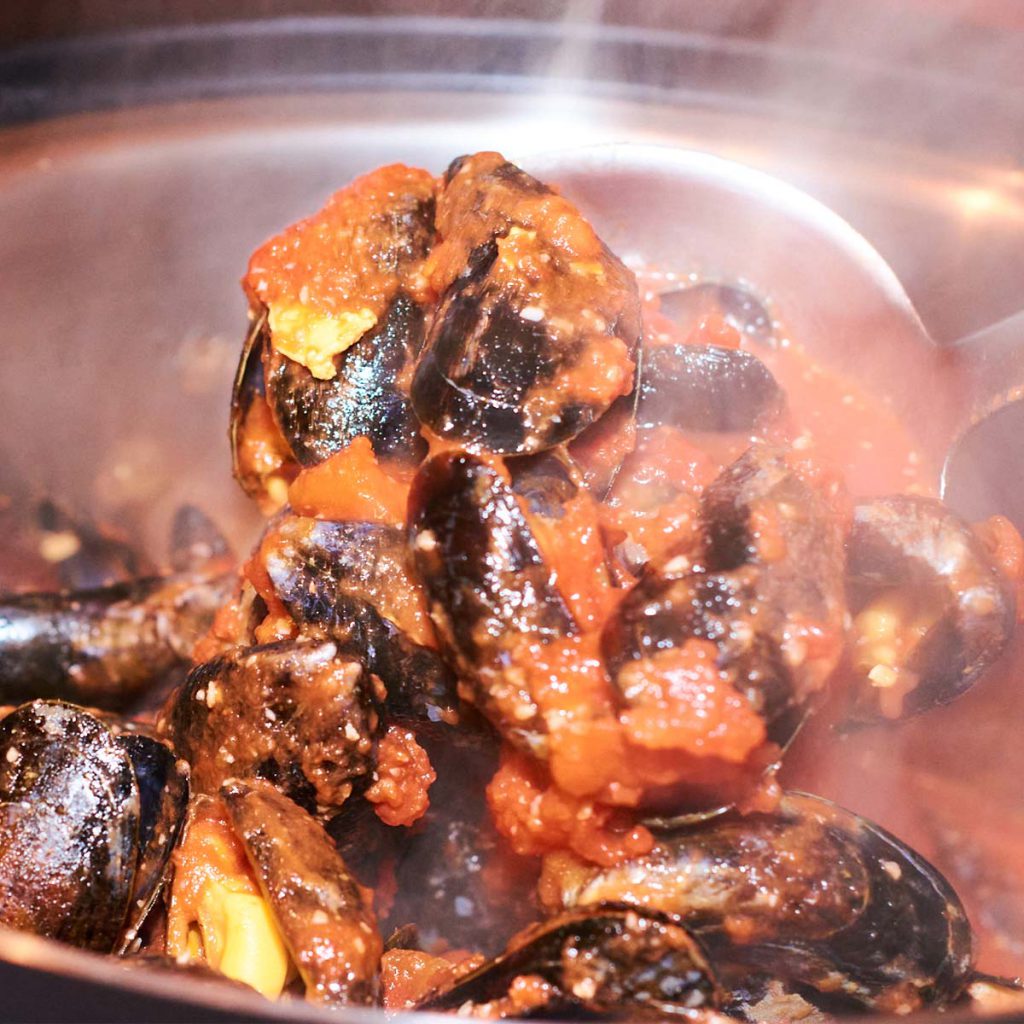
(407, 975)
(350, 486)
(401, 779)
(326, 260)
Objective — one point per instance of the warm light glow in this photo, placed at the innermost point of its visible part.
(978, 202)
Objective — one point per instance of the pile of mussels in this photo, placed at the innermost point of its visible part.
(493, 355)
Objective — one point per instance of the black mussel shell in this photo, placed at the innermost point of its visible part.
(747, 600)
(705, 387)
(488, 584)
(105, 647)
(351, 581)
(297, 713)
(507, 362)
(196, 541)
(163, 801)
(69, 826)
(364, 399)
(247, 388)
(910, 541)
(603, 961)
(813, 896)
(328, 928)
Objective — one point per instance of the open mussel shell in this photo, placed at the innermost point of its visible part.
(69, 826)
(330, 931)
(812, 896)
(385, 221)
(314, 564)
(95, 557)
(911, 543)
(994, 995)
(598, 961)
(247, 388)
(910, 946)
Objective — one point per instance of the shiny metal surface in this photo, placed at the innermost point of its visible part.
(123, 235)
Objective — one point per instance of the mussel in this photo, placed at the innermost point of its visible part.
(457, 882)
(261, 460)
(490, 589)
(330, 359)
(329, 930)
(295, 712)
(724, 395)
(932, 610)
(537, 324)
(107, 646)
(812, 896)
(88, 820)
(353, 582)
(706, 388)
(84, 555)
(197, 544)
(599, 961)
(765, 586)
(365, 398)
(163, 783)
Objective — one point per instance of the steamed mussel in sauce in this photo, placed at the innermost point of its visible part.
(491, 720)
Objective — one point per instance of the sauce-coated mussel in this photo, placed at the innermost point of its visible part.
(488, 584)
(537, 323)
(335, 330)
(364, 399)
(765, 586)
(600, 961)
(354, 584)
(297, 713)
(326, 923)
(813, 896)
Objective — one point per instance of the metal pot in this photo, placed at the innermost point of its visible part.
(140, 164)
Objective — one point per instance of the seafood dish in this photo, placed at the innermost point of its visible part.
(562, 561)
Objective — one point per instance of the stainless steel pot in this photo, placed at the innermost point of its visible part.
(139, 165)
